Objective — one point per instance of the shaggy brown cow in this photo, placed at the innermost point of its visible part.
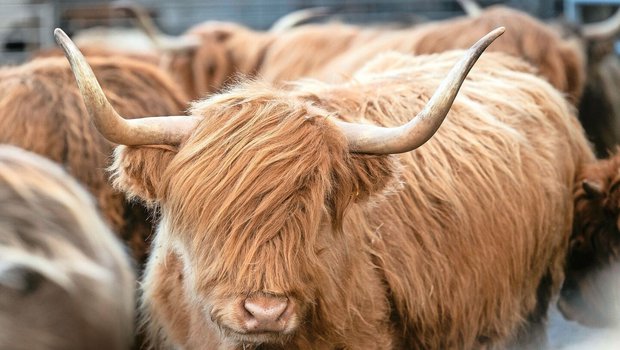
(590, 293)
(334, 51)
(41, 111)
(560, 61)
(225, 51)
(599, 108)
(213, 53)
(65, 281)
(279, 231)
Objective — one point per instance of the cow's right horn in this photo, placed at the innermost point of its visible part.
(134, 132)
(373, 139)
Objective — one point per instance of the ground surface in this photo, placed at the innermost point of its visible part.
(565, 335)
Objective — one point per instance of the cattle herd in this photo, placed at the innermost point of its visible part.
(318, 186)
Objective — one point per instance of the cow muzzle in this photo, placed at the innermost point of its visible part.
(264, 313)
(261, 317)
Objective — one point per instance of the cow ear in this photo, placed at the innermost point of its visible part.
(138, 171)
(593, 189)
(361, 178)
(372, 174)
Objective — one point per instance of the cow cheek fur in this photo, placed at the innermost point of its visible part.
(168, 317)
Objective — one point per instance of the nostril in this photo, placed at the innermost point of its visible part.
(266, 308)
(266, 313)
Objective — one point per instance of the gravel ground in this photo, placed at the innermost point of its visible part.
(566, 335)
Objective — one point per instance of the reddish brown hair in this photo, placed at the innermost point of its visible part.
(460, 243)
(42, 111)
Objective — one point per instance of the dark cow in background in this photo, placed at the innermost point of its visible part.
(599, 110)
(65, 281)
(590, 294)
(286, 223)
(41, 111)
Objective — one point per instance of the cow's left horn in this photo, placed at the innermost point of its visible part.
(604, 29)
(372, 139)
(134, 132)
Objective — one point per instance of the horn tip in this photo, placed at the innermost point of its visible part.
(62, 39)
(59, 35)
(491, 36)
(498, 31)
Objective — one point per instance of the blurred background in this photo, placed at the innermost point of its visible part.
(26, 25)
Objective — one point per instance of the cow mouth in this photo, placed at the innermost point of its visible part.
(255, 338)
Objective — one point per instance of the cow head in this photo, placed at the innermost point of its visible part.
(223, 52)
(590, 291)
(253, 189)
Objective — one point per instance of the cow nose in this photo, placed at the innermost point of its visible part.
(266, 313)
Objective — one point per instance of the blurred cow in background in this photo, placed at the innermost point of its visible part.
(591, 293)
(599, 105)
(212, 54)
(65, 280)
(41, 111)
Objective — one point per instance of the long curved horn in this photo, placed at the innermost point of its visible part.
(471, 7)
(295, 18)
(604, 29)
(160, 40)
(372, 139)
(134, 132)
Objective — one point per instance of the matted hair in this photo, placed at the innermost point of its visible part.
(42, 112)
